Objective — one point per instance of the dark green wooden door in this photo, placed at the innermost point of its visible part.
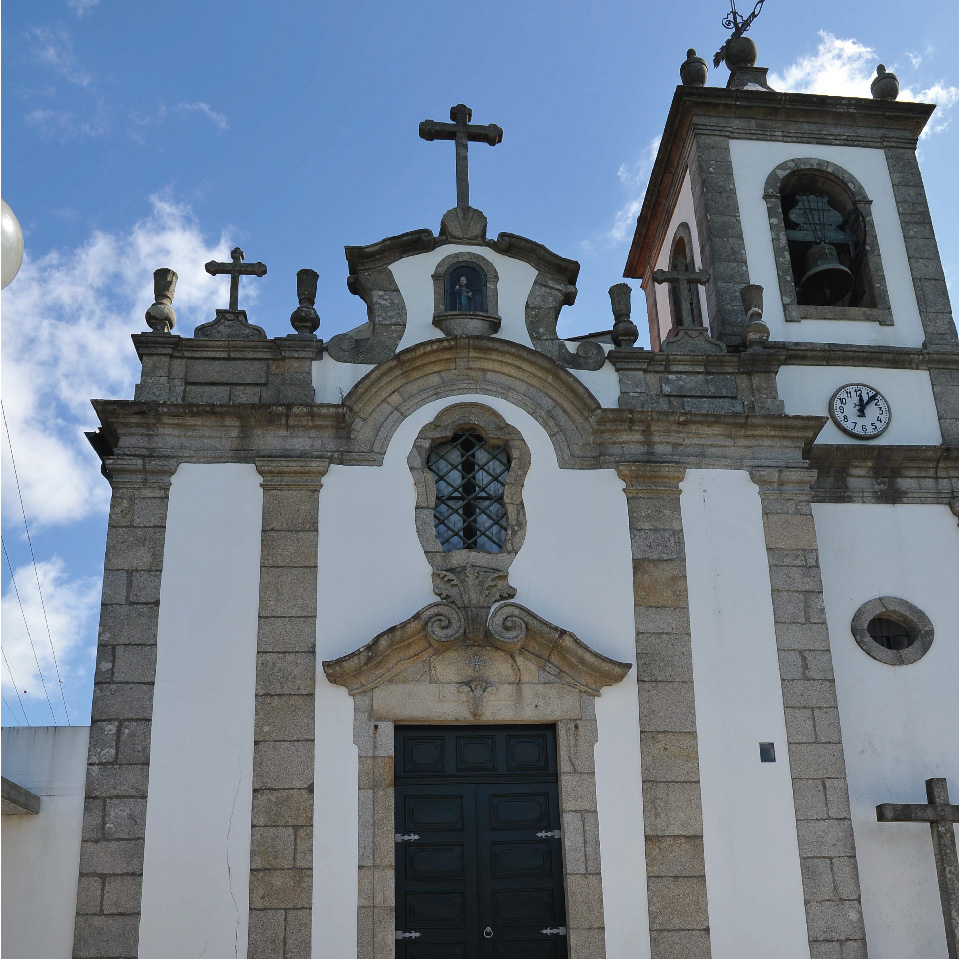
(479, 873)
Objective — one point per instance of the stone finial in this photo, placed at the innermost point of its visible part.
(693, 70)
(885, 85)
(625, 332)
(304, 318)
(160, 317)
(756, 332)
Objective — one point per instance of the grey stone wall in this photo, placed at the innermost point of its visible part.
(672, 818)
(281, 839)
(831, 887)
(115, 807)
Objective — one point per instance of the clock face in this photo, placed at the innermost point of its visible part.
(860, 410)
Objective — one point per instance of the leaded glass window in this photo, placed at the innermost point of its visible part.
(469, 474)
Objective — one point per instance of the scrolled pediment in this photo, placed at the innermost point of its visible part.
(467, 621)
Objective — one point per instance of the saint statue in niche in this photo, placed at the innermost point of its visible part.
(466, 289)
(462, 295)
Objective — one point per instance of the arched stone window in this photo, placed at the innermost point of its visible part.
(828, 259)
(681, 261)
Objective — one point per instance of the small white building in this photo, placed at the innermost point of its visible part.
(449, 639)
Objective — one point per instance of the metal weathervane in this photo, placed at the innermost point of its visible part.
(739, 25)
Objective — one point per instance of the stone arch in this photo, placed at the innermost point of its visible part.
(555, 398)
(684, 235)
(835, 179)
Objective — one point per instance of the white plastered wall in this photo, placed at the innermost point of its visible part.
(753, 161)
(806, 390)
(899, 722)
(41, 854)
(574, 569)
(754, 890)
(683, 212)
(197, 850)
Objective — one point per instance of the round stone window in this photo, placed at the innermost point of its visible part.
(892, 630)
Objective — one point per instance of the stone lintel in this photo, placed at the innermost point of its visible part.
(17, 801)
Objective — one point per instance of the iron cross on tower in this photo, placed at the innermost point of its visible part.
(235, 268)
(462, 131)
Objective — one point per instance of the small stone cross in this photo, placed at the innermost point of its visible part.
(236, 268)
(462, 131)
(941, 814)
(476, 662)
(683, 279)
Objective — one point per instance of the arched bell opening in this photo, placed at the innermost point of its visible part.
(826, 238)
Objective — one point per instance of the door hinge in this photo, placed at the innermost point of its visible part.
(405, 837)
(406, 935)
(559, 931)
(549, 834)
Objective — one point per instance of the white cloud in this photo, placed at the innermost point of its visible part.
(67, 318)
(54, 48)
(218, 119)
(80, 7)
(65, 124)
(633, 178)
(70, 606)
(846, 68)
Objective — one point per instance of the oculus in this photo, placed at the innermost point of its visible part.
(860, 410)
(892, 630)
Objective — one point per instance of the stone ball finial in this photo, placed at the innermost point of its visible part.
(693, 70)
(885, 85)
(624, 333)
(739, 52)
(304, 319)
(756, 332)
(160, 317)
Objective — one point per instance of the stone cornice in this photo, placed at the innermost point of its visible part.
(845, 354)
(150, 344)
(761, 115)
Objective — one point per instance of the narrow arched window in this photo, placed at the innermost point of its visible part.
(826, 238)
(465, 286)
(682, 262)
(469, 474)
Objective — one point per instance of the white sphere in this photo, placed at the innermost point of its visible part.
(11, 244)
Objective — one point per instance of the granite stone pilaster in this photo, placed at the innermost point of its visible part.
(115, 805)
(933, 299)
(722, 250)
(828, 863)
(281, 839)
(672, 817)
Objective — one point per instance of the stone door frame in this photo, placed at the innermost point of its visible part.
(419, 703)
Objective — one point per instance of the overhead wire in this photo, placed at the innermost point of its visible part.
(16, 686)
(26, 626)
(9, 708)
(33, 558)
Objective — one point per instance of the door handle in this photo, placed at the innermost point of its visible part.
(488, 933)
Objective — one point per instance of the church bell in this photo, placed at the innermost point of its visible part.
(827, 281)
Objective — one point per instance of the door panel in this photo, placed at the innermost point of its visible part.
(469, 805)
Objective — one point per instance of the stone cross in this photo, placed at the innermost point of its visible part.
(462, 131)
(236, 268)
(941, 814)
(683, 279)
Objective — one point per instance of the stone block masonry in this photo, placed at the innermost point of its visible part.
(672, 818)
(115, 806)
(281, 838)
(831, 888)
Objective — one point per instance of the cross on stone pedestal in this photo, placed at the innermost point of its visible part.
(941, 814)
(683, 279)
(236, 268)
(462, 131)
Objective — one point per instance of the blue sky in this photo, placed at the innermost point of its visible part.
(136, 137)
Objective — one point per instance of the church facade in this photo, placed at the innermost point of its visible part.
(450, 639)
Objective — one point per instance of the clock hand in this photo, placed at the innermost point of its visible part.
(869, 401)
(861, 411)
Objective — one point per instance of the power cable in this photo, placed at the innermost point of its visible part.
(16, 687)
(36, 572)
(23, 613)
(9, 708)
